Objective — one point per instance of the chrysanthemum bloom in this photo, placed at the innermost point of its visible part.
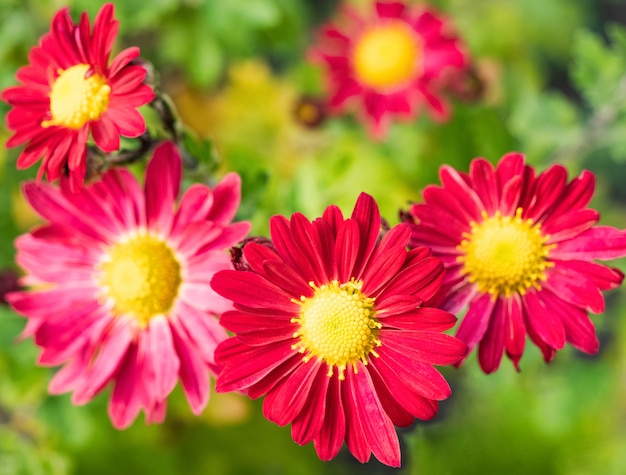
(329, 325)
(120, 285)
(69, 89)
(391, 61)
(518, 250)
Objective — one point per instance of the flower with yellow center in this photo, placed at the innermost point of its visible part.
(519, 248)
(386, 56)
(337, 325)
(505, 254)
(329, 325)
(122, 296)
(73, 94)
(79, 95)
(142, 276)
(389, 62)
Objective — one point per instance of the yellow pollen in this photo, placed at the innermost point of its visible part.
(337, 325)
(142, 276)
(505, 254)
(77, 97)
(386, 56)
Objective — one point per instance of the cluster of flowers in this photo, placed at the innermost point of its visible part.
(336, 321)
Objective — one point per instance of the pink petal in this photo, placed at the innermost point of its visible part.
(570, 287)
(331, 436)
(346, 249)
(126, 399)
(285, 401)
(192, 372)
(226, 199)
(491, 347)
(569, 225)
(163, 176)
(577, 194)
(129, 122)
(377, 427)
(355, 434)
(252, 290)
(201, 328)
(307, 425)
(485, 183)
(69, 376)
(599, 242)
(510, 166)
(305, 237)
(111, 354)
(390, 9)
(515, 330)
(432, 319)
(288, 250)
(105, 133)
(416, 404)
(367, 216)
(545, 324)
(419, 377)
(162, 363)
(387, 259)
(245, 365)
(427, 347)
(605, 278)
(122, 59)
(475, 322)
(579, 329)
(194, 206)
(549, 188)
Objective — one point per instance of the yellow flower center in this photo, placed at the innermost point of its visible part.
(142, 276)
(505, 254)
(386, 56)
(77, 97)
(337, 325)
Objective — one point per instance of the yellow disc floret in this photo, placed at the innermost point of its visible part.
(142, 276)
(77, 96)
(505, 254)
(386, 56)
(337, 325)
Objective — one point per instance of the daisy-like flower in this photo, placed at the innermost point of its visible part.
(393, 61)
(69, 89)
(330, 326)
(120, 287)
(519, 251)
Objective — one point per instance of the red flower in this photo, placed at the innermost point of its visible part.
(393, 60)
(519, 252)
(120, 285)
(69, 89)
(329, 325)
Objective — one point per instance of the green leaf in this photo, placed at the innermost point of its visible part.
(545, 123)
(597, 70)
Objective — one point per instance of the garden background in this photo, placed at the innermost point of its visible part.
(550, 81)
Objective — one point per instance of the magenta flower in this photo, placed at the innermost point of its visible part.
(393, 60)
(120, 285)
(519, 251)
(70, 90)
(330, 325)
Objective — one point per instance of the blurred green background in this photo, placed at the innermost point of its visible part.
(553, 85)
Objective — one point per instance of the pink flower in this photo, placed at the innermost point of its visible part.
(393, 61)
(330, 326)
(69, 89)
(120, 285)
(519, 252)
